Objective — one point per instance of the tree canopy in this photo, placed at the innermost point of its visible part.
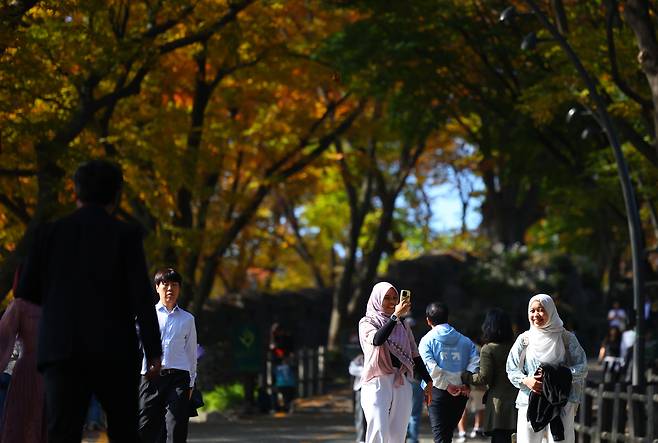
(270, 144)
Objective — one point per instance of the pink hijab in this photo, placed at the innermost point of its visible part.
(398, 342)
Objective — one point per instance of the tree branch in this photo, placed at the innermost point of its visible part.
(300, 245)
(18, 172)
(17, 209)
(611, 12)
(208, 31)
(155, 30)
(11, 16)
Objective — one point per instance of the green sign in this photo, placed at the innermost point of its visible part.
(247, 349)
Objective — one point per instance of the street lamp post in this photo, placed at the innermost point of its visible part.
(632, 213)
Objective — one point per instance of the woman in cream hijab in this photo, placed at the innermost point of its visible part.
(545, 342)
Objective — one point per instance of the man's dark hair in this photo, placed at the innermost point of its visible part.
(437, 313)
(165, 275)
(497, 327)
(98, 181)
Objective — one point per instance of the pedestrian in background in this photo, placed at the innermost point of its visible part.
(617, 316)
(417, 397)
(285, 383)
(475, 408)
(356, 371)
(610, 355)
(94, 421)
(500, 411)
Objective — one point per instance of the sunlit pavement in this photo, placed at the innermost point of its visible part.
(95, 437)
(326, 418)
(329, 428)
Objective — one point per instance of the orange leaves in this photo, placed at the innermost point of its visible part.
(182, 100)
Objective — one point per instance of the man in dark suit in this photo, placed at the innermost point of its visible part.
(88, 271)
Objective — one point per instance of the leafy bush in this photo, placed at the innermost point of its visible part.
(223, 397)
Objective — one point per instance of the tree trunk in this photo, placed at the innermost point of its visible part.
(374, 256)
(49, 181)
(344, 318)
(636, 13)
(341, 294)
(359, 207)
(503, 217)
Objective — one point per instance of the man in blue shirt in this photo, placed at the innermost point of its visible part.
(164, 401)
(446, 354)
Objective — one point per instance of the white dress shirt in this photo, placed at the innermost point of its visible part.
(178, 337)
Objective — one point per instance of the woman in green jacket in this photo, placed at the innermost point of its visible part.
(500, 411)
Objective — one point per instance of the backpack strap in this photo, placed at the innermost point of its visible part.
(524, 342)
(565, 340)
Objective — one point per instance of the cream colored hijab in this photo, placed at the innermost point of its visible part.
(546, 343)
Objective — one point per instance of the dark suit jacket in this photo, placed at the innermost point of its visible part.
(88, 271)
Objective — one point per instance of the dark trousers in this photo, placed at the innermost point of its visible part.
(164, 408)
(445, 412)
(287, 395)
(69, 385)
(5, 379)
(501, 435)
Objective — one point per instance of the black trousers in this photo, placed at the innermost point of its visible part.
(164, 408)
(501, 435)
(288, 393)
(69, 385)
(445, 412)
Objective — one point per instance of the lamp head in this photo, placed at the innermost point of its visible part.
(529, 42)
(508, 14)
(572, 114)
(587, 133)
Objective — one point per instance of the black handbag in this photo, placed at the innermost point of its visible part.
(196, 401)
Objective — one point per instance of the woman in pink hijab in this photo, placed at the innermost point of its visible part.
(390, 355)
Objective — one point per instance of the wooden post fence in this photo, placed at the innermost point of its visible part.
(616, 413)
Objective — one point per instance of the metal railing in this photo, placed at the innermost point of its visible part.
(310, 364)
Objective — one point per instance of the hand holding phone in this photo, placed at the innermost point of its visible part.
(405, 295)
(404, 306)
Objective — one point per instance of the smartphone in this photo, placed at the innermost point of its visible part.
(405, 294)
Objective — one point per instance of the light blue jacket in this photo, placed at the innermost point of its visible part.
(576, 361)
(446, 354)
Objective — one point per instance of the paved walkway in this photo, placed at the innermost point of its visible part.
(326, 418)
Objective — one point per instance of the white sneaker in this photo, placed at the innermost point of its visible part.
(461, 437)
(476, 432)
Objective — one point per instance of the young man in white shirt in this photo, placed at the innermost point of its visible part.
(164, 401)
